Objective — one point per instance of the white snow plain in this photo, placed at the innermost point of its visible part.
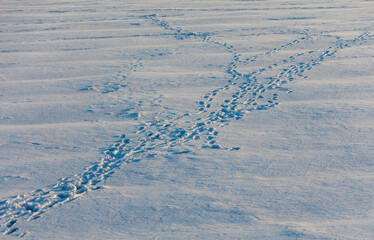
(216, 119)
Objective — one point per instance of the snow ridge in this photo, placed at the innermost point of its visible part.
(243, 93)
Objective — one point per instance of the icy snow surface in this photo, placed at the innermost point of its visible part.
(217, 119)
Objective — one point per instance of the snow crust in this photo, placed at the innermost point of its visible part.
(218, 119)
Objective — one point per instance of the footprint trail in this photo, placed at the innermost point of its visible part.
(244, 92)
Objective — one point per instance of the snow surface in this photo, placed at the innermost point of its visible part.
(216, 119)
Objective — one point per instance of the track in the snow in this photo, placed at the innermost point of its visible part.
(243, 93)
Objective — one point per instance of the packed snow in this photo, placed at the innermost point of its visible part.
(216, 119)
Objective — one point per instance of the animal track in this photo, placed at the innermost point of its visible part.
(117, 82)
(244, 92)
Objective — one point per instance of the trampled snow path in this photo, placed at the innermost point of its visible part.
(243, 93)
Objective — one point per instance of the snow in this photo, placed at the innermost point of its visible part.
(165, 119)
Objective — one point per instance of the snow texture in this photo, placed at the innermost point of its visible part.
(217, 119)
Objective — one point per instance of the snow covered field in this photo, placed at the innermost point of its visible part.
(216, 119)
